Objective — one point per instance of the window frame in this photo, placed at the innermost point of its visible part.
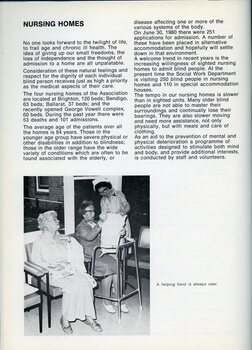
(41, 188)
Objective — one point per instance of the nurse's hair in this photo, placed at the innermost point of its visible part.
(103, 184)
(42, 218)
(84, 205)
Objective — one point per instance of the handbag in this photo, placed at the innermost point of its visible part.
(66, 270)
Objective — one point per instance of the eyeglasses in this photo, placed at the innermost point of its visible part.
(103, 191)
(88, 211)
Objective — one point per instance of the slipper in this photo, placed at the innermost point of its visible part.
(109, 308)
(68, 329)
(94, 325)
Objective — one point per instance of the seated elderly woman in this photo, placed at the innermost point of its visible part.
(64, 259)
(88, 235)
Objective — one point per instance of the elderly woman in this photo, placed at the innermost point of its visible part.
(64, 259)
(88, 235)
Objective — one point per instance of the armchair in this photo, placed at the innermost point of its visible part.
(51, 292)
(33, 296)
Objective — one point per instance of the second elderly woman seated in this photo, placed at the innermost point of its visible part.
(88, 235)
(64, 259)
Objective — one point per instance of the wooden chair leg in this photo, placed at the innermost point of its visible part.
(49, 310)
(48, 301)
(41, 314)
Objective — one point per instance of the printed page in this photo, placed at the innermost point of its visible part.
(140, 110)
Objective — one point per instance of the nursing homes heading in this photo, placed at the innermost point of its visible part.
(72, 23)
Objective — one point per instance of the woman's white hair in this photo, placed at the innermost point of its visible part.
(42, 218)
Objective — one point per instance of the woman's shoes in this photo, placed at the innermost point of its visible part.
(109, 308)
(112, 310)
(93, 324)
(89, 322)
(67, 329)
(124, 307)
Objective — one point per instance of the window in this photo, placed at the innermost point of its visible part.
(42, 184)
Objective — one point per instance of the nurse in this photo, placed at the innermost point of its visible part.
(112, 201)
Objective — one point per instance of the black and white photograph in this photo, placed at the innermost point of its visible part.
(87, 255)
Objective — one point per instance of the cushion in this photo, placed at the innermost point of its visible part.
(31, 300)
(53, 291)
(29, 289)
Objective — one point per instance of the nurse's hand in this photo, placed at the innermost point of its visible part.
(122, 212)
(103, 216)
(122, 232)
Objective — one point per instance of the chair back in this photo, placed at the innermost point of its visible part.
(29, 238)
(28, 251)
(144, 237)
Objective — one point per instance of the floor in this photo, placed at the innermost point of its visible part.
(136, 322)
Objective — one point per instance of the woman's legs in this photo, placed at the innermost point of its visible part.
(106, 287)
(124, 307)
(77, 301)
(114, 281)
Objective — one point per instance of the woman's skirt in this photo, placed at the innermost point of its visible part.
(104, 265)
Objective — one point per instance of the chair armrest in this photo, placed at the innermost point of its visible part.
(34, 269)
